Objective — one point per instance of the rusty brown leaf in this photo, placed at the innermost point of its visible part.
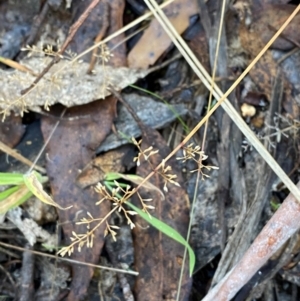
(266, 69)
(268, 19)
(158, 258)
(155, 40)
(70, 149)
(116, 160)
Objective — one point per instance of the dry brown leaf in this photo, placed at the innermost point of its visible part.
(155, 40)
(264, 72)
(156, 256)
(268, 20)
(114, 160)
(64, 86)
(70, 149)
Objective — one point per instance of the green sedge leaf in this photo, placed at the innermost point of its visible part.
(51, 247)
(11, 178)
(170, 107)
(6, 193)
(134, 179)
(123, 135)
(167, 230)
(111, 176)
(111, 183)
(21, 195)
(34, 185)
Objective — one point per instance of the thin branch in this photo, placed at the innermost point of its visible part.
(283, 224)
(74, 28)
(69, 260)
(16, 155)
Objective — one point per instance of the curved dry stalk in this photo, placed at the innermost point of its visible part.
(70, 260)
(11, 152)
(87, 238)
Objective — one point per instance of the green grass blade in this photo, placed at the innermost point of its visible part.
(164, 228)
(184, 125)
(123, 135)
(6, 193)
(111, 183)
(167, 230)
(11, 178)
(111, 176)
(21, 195)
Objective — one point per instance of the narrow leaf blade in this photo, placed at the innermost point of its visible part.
(6, 193)
(11, 178)
(167, 230)
(17, 198)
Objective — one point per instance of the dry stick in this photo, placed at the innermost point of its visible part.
(46, 142)
(16, 65)
(74, 28)
(69, 260)
(100, 35)
(16, 155)
(284, 57)
(26, 288)
(8, 275)
(283, 224)
(227, 106)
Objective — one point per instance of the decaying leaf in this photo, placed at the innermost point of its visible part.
(268, 20)
(11, 130)
(71, 148)
(35, 186)
(264, 72)
(64, 83)
(155, 40)
(118, 159)
(157, 257)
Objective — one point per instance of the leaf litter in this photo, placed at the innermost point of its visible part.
(63, 84)
(242, 202)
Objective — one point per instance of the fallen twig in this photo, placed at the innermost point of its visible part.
(74, 28)
(284, 223)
